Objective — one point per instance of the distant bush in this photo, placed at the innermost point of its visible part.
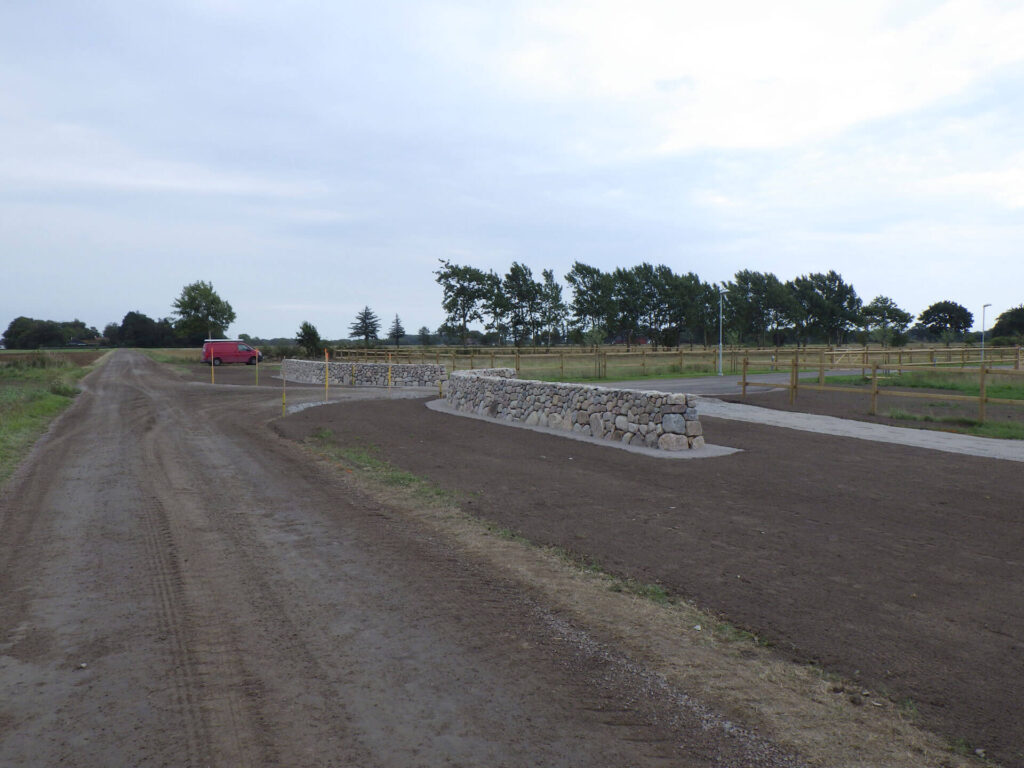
(1004, 341)
(281, 351)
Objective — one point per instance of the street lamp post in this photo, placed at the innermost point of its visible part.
(721, 293)
(983, 308)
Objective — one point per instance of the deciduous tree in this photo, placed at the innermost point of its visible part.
(465, 289)
(947, 320)
(308, 338)
(201, 313)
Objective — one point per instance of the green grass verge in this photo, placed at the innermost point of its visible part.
(1005, 387)
(33, 391)
(1004, 430)
(366, 459)
(687, 374)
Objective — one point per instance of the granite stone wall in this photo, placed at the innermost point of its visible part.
(653, 419)
(364, 374)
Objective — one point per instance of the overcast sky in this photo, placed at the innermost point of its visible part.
(310, 158)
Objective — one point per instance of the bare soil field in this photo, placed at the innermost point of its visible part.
(898, 567)
(179, 586)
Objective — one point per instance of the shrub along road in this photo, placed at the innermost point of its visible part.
(180, 586)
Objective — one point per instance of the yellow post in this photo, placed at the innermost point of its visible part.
(981, 396)
(284, 385)
(874, 389)
(326, 370)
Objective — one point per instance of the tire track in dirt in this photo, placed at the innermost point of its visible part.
(245, 605)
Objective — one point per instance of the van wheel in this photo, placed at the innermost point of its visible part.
(216, 361)
(252, 361)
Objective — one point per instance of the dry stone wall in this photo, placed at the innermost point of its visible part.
(653, 419)
(363, 374)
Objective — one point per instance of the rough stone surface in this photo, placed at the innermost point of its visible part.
(654, 419)
(363, 374)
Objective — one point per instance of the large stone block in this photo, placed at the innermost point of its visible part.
(673, 422)
(673, 442)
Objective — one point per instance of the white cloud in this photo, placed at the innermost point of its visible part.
(738, 74)
(68, 156)
(1004, 186)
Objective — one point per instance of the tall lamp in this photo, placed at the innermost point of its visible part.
(721, 293)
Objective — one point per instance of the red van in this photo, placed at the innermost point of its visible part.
(217, 351)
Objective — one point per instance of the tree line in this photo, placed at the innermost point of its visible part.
(657, 305)
(198, 313)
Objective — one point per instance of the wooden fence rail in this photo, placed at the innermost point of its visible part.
(984, 372)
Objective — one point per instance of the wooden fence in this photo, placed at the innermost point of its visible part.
(568, 363)
(879, 372)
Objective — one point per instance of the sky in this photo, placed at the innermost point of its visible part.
(312, 158)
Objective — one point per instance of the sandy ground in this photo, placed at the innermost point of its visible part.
(181, 587)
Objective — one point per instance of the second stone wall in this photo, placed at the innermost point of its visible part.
(653, 419)
(363, 374)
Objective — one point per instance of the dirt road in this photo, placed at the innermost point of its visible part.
(181, 587)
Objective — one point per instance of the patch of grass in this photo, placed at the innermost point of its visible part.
(1003, 430)
(724, 631)
(1007, 387)
(34, 389)
(961, 746)
(366, 459)
(625, 376)
(174, 356)
(907, 708)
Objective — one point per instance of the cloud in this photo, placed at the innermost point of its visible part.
(739, 75)
(68, 156)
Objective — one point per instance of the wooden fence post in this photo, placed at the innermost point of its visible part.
(745, 361)
(643, 362)
(981, 396)
(792, 381)
(821, 369)
(874, 389)
(561, 365)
